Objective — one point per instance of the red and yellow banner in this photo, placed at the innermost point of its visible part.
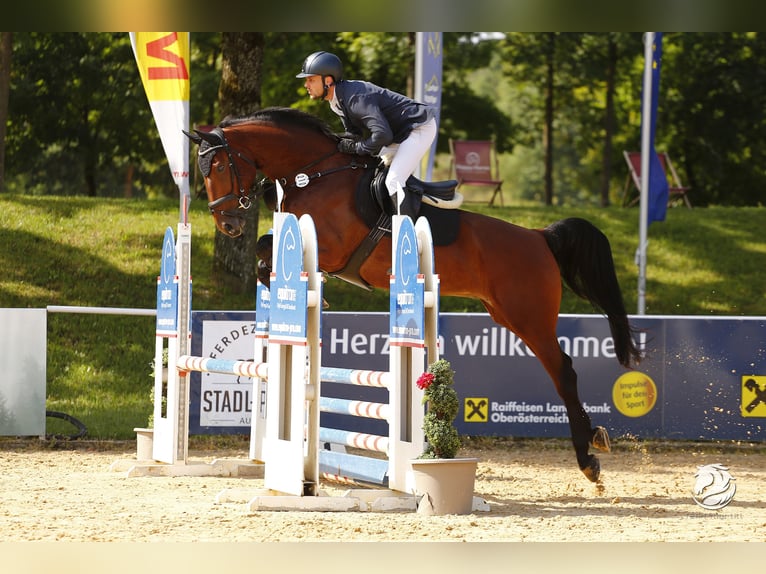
(163, 62)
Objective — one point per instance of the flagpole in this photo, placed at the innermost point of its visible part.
(645, 150)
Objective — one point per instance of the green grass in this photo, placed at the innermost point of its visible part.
(106, 253)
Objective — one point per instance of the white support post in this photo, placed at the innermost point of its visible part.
(292, 462)
(407, 363)
(171, 427)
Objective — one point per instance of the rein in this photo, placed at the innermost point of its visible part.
(300, 179)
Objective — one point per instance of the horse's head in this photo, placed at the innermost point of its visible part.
(228, 189)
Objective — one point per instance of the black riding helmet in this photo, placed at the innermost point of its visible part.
(322, 64)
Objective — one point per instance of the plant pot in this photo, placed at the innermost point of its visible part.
(144, 444)
(444, 485)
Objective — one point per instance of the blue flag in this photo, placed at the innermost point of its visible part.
(658, 182)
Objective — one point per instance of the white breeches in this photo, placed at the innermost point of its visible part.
(404, 158)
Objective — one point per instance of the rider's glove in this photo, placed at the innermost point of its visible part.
(347, 145)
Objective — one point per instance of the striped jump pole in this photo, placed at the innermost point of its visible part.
(250, 369)
(356, 377)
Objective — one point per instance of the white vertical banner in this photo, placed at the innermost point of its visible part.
(163, 62)
(428, 84)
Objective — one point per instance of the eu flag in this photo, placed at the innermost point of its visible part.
(658, 182)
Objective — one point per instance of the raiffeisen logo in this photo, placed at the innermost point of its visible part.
(714, 487)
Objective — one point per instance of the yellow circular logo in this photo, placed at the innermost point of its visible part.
(634, 394)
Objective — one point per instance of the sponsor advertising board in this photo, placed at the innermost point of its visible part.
(702, 378)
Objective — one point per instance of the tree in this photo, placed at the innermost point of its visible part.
(532, 58)
(609, 119)
(711, 120)
(589, 75)
(205, 58)
(239, 94)
(78, 118)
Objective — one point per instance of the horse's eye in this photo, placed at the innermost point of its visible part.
(220, 167)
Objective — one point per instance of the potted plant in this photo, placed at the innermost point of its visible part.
(443, 482)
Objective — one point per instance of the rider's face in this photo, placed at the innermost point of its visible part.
(314, 87)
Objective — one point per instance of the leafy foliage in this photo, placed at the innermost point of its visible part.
(79, 122)
(442, 400)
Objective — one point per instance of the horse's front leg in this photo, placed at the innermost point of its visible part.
(263, 251)
(583, 435)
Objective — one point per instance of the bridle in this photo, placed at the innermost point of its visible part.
(242, 196)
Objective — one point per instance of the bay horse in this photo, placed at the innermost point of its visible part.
(515, 272)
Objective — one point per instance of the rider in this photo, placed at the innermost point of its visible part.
(378, 122)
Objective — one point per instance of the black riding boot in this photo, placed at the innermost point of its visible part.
(407, 207)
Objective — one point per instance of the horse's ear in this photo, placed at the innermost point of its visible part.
(214, 137)
(193, 137)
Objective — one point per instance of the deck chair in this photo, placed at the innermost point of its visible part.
(677, 192)
(475, 163)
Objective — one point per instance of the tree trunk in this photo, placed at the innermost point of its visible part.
(127, 189)
(6, 41)
(239, 94)
(548, 129)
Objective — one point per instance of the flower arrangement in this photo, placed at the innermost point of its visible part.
(440, 396)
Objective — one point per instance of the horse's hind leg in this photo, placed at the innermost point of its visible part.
(558, 365)
(541, 339)
(583, 435)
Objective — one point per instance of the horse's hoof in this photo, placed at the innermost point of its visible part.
(600, 440)
(593, 469)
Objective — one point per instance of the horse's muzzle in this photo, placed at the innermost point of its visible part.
(230, 229)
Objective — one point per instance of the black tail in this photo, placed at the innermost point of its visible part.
(585, 259)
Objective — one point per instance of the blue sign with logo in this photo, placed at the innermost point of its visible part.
(167, 288)
(407, 325)
(289, 287)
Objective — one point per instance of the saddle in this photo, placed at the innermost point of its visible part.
(437, 201)
(439, 194)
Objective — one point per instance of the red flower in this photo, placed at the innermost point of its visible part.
(424, 381)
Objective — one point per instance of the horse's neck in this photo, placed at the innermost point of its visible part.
(281, 153)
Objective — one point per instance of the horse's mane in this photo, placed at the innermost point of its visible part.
(284, 116)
